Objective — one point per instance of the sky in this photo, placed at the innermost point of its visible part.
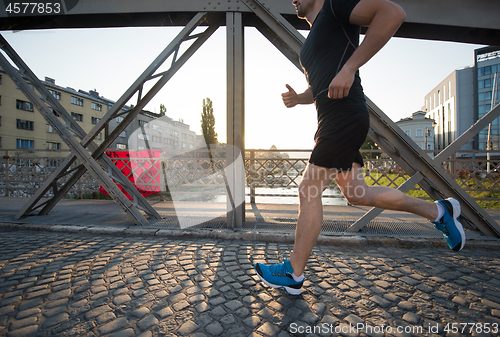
(109, 60)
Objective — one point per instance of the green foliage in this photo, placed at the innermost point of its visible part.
(163, 110)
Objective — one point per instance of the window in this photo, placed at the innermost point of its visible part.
(25, 144)
(184, 145)
(76, 101)
(119, 119)
(142, 136)
(56, 94)
(50, 128)
(53, 146)
(95, 120)
(487, 83)
(96, 106)
(25, 125)
(77, 117)
(420, 133)
(121, 146)
(99, 136)
(123, 134)
(143, 123)
(408, 133)
(0, 79)
(22, 105)
(156, 127)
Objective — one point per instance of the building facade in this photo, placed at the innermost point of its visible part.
(464, 97)
(24, 129)
(154, 131)
(451, 105)
(420, 129)
(486, 92)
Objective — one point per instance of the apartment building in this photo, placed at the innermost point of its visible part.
(451, 105)
(22, 128)
(420, 129)
(154, 131)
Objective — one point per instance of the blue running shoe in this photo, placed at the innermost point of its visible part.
(449, 225)
(279, 276)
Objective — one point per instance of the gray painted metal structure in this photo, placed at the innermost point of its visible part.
(450, 20)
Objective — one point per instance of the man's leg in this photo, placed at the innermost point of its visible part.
(314, 180)
(355, 190)
(445, 219)
(288, 275)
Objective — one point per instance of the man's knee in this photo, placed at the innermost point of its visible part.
(308, 190)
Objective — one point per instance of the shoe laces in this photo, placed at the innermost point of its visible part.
(279, 269)
(442, 227)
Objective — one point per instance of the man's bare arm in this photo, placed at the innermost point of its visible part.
(383, 19)
(291, 98)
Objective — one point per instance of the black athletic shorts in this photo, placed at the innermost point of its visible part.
(339, 138)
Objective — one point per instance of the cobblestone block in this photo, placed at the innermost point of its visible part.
(147, 322)
(187, 328)
(23, 332)
(114, 325)
(214, 329)
(57, 319)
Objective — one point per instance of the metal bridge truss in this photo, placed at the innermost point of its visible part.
(425, 171)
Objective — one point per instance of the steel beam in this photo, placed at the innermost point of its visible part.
(76, 148)
(98, 152)
(469, 21)
(235, 111)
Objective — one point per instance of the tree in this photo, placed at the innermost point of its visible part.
(208, 122)
(163, 110)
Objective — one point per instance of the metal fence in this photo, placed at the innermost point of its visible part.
(268, 173)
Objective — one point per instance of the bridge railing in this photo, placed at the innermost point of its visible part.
(275, 173)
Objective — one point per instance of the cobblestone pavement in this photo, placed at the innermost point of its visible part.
(70, 284)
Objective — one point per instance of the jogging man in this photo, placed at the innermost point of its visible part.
(331, 57)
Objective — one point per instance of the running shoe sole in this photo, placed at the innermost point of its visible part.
(457, 210)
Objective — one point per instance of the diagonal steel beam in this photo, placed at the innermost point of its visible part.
(441, 157)
(177, 63)
(77, 149)
(87, 140)
(467, 135)
(437, 183)
(73, 126)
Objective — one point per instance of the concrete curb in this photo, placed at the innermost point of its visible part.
(330, 240)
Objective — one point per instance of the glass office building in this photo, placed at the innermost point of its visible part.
(486, 93)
